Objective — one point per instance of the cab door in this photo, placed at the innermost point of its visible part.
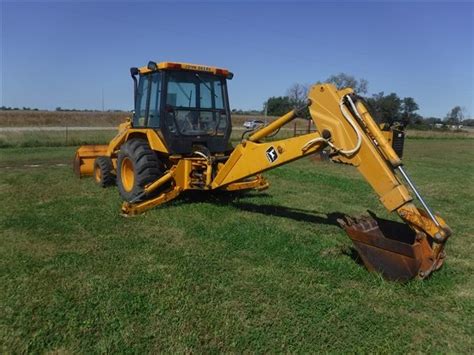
(147, 105)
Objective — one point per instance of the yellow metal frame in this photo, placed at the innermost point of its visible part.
(354, 138)
(234, 174)
(125, 132)
(376, 162)
(179, 176)
(250, 158)
(86, 155)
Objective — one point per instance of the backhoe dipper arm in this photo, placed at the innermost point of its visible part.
(345, 125)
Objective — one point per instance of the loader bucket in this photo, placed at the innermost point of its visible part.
(83, 164)
(391, 248)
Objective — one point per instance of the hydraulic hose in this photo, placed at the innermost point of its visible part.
(353, 124)
(201, 154)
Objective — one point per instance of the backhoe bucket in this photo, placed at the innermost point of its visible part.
(391, 248)
(83, 164)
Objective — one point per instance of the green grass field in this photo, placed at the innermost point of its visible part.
(256, 272)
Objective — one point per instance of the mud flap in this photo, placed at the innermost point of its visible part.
(390, 248)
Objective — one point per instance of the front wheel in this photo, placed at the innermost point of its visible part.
(104, 172)
(137, 166)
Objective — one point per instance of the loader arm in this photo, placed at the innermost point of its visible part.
(347, 128)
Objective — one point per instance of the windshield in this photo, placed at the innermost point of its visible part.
(195, 104)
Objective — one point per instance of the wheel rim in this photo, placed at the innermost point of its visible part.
(127, 174)
(97, 174)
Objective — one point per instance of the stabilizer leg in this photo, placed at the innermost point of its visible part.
(131, 209)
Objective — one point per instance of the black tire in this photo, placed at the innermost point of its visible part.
(104, 172)
(136, 155)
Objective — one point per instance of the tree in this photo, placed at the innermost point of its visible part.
(298, 93)
(277, 106)
(390, 108)
(415, 119)
(455, 116)
(408, 115)
(385, 108)
(468, 122)
(343, 80)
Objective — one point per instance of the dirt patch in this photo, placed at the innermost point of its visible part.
(34, 164)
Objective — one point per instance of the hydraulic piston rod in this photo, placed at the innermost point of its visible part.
(415, 190)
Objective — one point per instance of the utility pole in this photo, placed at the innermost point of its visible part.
(265, 113)
(102, 99)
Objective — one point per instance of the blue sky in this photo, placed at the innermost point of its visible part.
(64, 54)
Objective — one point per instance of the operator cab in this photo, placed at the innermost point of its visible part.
(188, 104)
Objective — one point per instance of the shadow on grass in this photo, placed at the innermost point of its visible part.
(352, 253)
(390, 229)
(233, 199)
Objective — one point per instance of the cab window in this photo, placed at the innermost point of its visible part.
(140, 117)
(195, 104)
(155, 93)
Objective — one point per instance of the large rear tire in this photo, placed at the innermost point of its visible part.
(104, 172)
(137, 166)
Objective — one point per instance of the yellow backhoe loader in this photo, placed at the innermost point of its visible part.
(179, 139)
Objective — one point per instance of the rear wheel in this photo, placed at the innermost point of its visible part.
(104, 171)
(137, 166)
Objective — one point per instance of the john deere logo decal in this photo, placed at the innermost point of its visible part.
(271, 154)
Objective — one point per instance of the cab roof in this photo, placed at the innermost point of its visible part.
(153, 66)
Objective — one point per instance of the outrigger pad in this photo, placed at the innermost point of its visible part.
(388, 247)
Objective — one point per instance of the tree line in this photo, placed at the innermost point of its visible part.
(385, 108)
(8, 108)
